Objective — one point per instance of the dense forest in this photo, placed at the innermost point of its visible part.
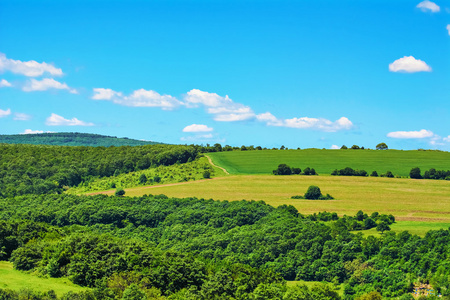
(155, 247)
(71, 139)
(205, 249)
(37, 169)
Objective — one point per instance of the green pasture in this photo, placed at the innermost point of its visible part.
(399, 162)
(422, 204)
(18, 280)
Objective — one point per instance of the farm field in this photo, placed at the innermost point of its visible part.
(17, 280)
(399, 162)
(406, 199)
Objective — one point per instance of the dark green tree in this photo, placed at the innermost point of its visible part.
(142, 179)
(374, 174)
(313, 193)
(382, 146)
(382, 227)
(206, 175)
(282, 169)
(415, 173)
(120, 192)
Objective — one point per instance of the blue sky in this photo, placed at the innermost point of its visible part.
(295, 73)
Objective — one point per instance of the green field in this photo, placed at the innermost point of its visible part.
(325, 161)
(421, 204)
(17, 280)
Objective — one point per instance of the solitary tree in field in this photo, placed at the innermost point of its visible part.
(313, 193)
(344, 147)
(382, 146)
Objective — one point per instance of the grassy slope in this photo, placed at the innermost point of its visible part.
(17, 280)
(425, 203)
(168, 174)
(325, 161)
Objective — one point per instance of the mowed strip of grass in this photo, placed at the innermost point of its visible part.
(399, 162)
(17, 280)
(406, 199)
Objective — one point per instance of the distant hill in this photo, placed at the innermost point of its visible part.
(71, 139)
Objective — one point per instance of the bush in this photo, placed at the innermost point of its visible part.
(374, 174)
(120, 192)
(206, 175)
(313, 193)
(157, 179)
(282, 169)
(296, 171)
(415, 173)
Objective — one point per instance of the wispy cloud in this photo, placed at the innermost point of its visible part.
(428, 6)
(408, 64)
(5, 113)
(421, 134)
(4, 83)
(29, 68)
(56, 120)
(335, 147)
(139, 98)
(448, 29)
(21, 117)
(46, 84)
(197, 128)
(223, 108)
(197, 137)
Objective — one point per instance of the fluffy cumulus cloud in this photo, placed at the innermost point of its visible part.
(421, 134)
(29, 68)
(197, 128)
(4, 83)
(307, 123)
(447, 139)
(46, 84)
(408, 64)
(223, 108)
(5, 113)
(139, 98)
(335, 147)
(56, 120)
(21, 117)
(428, 6)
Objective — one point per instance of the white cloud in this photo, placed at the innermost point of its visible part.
(197, 128)
(46, 84)
(428, 6)
(4, 113)
(223, 108)
(448, 29)
(411, 134)
(56, 120)
(4, 83)
(21, 117)
(408, 64)
(139, 98)
(105, 94)
(447, 139)
(269, 119)
(335, 147)
(29, 131)
(28, 68)
(319, 124)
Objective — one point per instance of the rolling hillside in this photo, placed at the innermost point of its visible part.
(399, 162)
(71, 139)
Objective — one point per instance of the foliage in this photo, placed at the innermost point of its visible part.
(382, 146)
(119, 192)
(71, 139)
(314, 193)
(284, 169)
(349, 172)
(206, 175)
(30, 169)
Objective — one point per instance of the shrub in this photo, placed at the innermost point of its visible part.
(374, 174)
(296, 170)
(157, 179)
(415, 173)
(120, 192)
(282, 169)
(206, 175)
